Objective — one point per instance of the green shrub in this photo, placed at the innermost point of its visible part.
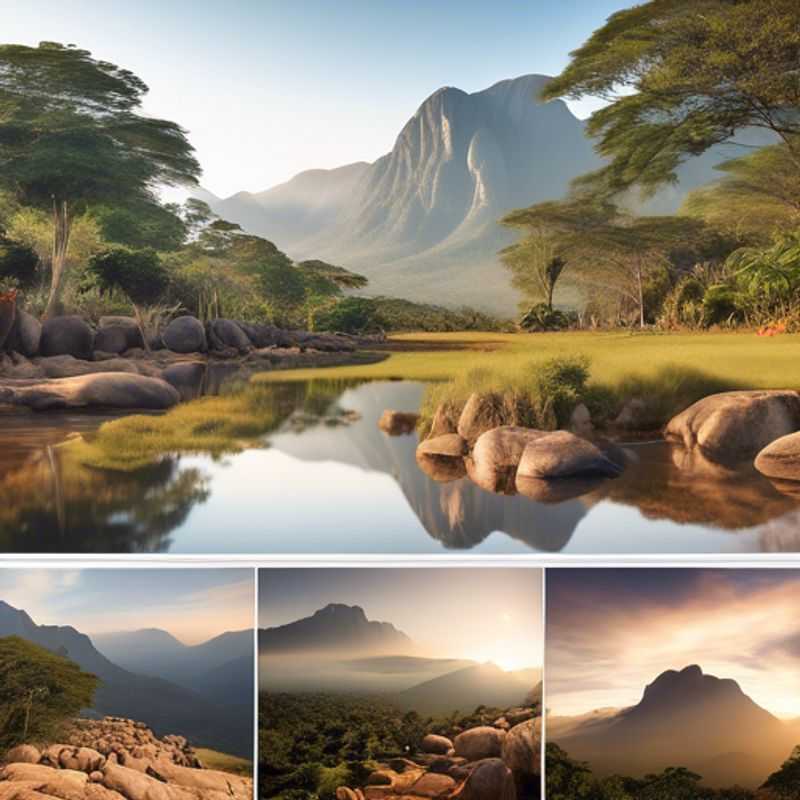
(355, 315)
(540, 318)
(720, 306)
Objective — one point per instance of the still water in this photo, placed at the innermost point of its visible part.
(329, 482)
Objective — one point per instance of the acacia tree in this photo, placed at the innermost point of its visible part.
(609, 249)
(681, 76)
(71, 136)
(535, 265)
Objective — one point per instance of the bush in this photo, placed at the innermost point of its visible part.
(540, 318)
(39, 692)
(720, 306)
(355, 315)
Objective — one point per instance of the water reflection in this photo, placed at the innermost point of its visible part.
(329, 481)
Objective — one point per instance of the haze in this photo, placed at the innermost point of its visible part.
(481, 614)
(610, 632)
(194, 605)
(268, 89)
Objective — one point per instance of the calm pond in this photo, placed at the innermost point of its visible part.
(331, 482)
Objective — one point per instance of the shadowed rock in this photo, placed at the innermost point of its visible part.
(67, 336)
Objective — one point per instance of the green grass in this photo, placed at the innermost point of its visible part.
(213, 759)
(212, 425)
(739, 357)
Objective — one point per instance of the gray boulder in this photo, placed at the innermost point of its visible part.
(781, 459)
(562, 454)
(112, 340)
(478, 743)
(185, 335)
(522, 749)
(224, 334)
(67, 336)
(26, 335)
(133, 336)
(187, 377)
(497, 454)
(98, 390)
(735, 426)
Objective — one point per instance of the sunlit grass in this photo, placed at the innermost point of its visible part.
(224, 762)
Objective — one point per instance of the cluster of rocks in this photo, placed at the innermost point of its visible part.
(115, 759)
(497, 761)
(475, 442)
(64, 363)
(761, 428)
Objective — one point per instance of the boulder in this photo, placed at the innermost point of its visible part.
(635, 415)
(442, 469)
(496, 455)
(8, 311)
(481, 413)
(83, 759)
(580, 421)
(23, 754)
(448, 445)
(438, 745)
(491, 779)
(185, 335)
(552, 492)
(26, 335)
(112, 340)
(133, 335)
(380, 777)
(343, 793)
(226, 334)
(734, 426)
(67, 336)
(432, 785)
(136, 785)
(99, 390)
(70, 367)
(562, 454)
(478, 743)
(445, 420)
(522, 750)
(187, 378)
(38, 772)
(398, 423)
(781, 459)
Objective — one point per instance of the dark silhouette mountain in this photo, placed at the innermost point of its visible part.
(163, 705)
(685, 718)
(465, 689)
(337, 628)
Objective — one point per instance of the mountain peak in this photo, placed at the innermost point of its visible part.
(343, 611)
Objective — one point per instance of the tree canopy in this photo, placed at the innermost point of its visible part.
(682, 76)
(71, 136)
(39, 692)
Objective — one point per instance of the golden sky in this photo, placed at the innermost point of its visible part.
(612, 631)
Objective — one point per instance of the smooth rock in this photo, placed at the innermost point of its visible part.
(735, 426)
(23, 754)
(491, 779)
(481, 413)
(187, 377)
(398, 423)
(497, 454)
(448, 445)
(522, 750)
(781, 459)
(225, 333)
(438, 745)
(69, 336)
(580, 421)
(562, 454)
(111, 340)
(185, 335)
(432, 785)
(26, 334)
(445, 420)
(479, 743)
(99, 390)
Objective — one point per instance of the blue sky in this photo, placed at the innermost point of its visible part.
(192, 604)
(268, 88)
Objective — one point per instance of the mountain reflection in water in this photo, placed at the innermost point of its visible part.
(329, 481)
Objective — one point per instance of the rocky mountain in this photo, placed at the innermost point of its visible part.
(466, 688)
(339, 628)
(685, 718)
(422, 221)
(165, 706)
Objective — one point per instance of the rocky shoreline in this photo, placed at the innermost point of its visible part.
(497, 760)
(116, 759)
(65, 363)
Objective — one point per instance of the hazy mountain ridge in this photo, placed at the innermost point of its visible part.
(162, 704)
(684, 718)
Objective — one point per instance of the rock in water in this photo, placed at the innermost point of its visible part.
(496, 455)
(225, 333)
(98, 390)
(67, 336)
(185, 335)
(478, 743)
(398, 423)
(562, 454)
(734, 426)
(188, 378)
(448, 445)
(781, 458)
(481, 413)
